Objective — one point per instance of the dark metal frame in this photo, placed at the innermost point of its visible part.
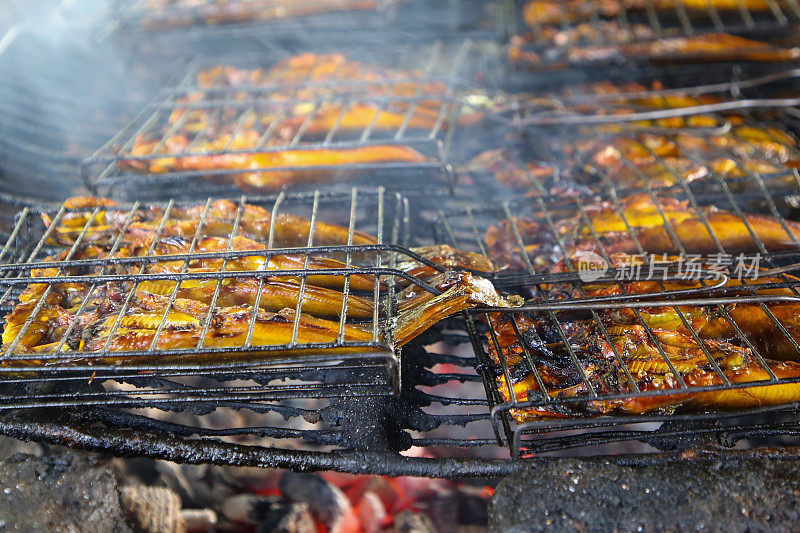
(465, 229)
(750, 100)
(678, 21)
(325, 417)
(101, 172)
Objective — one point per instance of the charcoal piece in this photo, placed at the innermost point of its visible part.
(290, 518)
(327, 502)
(251, 509)
(731, 494)
(153, 509)
(59, 493)
(408, 522)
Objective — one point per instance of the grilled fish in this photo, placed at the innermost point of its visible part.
(196, 290)
(291, 166)
(638, 221)
(418, 309)
(610, 42)
(301, 100)
(537, 12)
(742, 323)
(256, 223)
(604, 366)
(164, 14)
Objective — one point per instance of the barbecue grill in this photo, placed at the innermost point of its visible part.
(467, 229)
(661, 18)
(445, 403)
(436, 64)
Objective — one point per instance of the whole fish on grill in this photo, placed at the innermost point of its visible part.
(634, 224)
(537, 12)
(209, 292)
(306, 96)
(610, 42)
(254, 167)
(164, 14)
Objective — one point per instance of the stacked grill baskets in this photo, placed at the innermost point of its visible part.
(594, 176)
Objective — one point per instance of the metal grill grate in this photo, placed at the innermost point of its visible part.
(272, 117)
(176, 14)
(625, 137)
(288, 407)
(530, 276)
(372, 365)
(562, 30)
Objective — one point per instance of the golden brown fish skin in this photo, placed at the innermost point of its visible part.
(709, 323)
(256, 172)
(647, 218)
(228, 329)
(359, 282)
(537, 12)
(275, 295)
(47, 323)
(704, 46)
(419, 309)
(446, 257)
(289, 231)
(292, 230)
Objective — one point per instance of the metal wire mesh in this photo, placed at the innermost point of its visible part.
(571, 23)
(509, 345)
(372, 365)
(285, 402)
(626, 137)
(394, 120)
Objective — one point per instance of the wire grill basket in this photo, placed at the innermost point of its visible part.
(600, 137)
(287, 407)
(581, 32)
(301, 368)
(510, 343)
(414, 112)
